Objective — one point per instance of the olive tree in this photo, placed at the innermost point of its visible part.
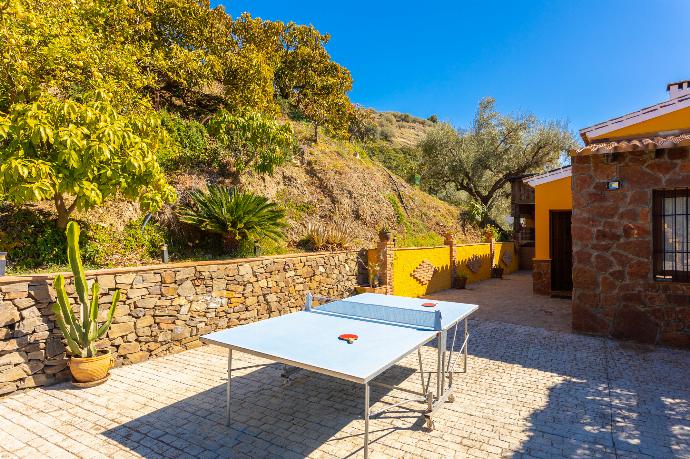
(479, 161)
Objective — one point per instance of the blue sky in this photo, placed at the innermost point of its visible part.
(580, 61)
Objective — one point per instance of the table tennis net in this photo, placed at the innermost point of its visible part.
(390, 314)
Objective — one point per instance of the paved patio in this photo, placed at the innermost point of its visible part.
(511, 300)
(529, 392)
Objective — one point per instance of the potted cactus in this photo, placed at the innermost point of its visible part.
(87, 364)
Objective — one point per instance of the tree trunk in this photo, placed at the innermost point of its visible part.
(230, 244)
(63, 211)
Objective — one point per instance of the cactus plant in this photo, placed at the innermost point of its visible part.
(81, 334)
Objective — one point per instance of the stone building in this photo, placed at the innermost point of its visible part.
(630, 225)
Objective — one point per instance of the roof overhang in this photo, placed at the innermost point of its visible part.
(599, 131)
(550, 176)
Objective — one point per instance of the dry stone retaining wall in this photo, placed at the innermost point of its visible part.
(163, 309)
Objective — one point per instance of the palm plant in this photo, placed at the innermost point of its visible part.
(235, 215)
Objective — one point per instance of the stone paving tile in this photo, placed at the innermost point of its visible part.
(529, 393)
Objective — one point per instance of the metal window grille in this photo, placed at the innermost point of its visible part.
(671, 224)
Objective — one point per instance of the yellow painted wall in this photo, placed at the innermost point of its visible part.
(500, 249)
(405, 260)
(680, 119)
(463, 253)
(556, 195)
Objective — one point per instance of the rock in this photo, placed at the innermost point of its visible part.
(185, 273)
(120, 329)
(135, 293)
(145, 321)
(54, 347)
(14, 358)
(6, 388)
(168, 277)
(30, 312)
(179, 333)
(29, 325)
(128, 348)
(35, 381)
(15, 287)
(12, 374)
(23, 303)
(106, 281)
(164, 336)
(8, 314)
(36, 355)
(137, 357)
(56, 366)
(186, 289)
(125, 278)
(145, 303)
(121, 310)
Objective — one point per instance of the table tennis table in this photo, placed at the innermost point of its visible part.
(388, 329)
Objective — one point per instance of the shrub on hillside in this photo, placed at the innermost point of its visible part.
(191, 145)
(33, 241)
(401, 160)
(319, 237)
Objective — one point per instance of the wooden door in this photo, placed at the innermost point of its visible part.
(561, 251)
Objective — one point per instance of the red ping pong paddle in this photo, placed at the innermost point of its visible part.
(349, 337)
(429, 305)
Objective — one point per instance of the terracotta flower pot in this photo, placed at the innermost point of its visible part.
(90, 369)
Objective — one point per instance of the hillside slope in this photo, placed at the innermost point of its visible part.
(333, 183)
(329, 184)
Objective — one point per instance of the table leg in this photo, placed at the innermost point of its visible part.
(467, 343)
(439, 364)
(366, 420)
(444, 344)
(227, 389)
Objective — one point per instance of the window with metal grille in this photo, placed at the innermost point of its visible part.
(671, 223)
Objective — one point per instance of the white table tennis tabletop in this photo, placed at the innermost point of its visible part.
(310, 339)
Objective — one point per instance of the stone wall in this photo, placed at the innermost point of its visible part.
(614, 292)
(163, 309)
(541, 277)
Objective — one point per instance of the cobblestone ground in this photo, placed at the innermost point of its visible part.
(529, 392)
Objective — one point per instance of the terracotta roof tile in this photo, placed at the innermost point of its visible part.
(646, 143)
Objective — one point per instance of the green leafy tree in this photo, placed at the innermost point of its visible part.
(253, 140)
(479, 161)
(310, 80)
(236, 215)
(80, 154)
(363, 126)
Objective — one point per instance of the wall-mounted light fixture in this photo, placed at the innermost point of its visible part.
(613, 185)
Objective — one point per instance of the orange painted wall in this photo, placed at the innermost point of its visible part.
(680, 119)
(556, 195)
